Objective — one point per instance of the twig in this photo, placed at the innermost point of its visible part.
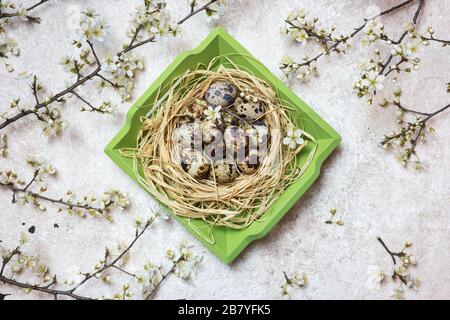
(421, 123)
(400, 40)
(71, 292)
(336, 43)
(5, 15)
(432, 38)
(194, 12)
(164, 276)
(394, 255)
(94, 73)
(35, 195)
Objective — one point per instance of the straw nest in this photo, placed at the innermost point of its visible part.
(236, 204)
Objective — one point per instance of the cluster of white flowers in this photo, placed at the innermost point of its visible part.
(215, 11)
(114, 198)
(91, 28)
(75, 65)
(14, 10)
(150, 279)
(10, 177)
(299, 27)
(53, 125)
(93, 206)
(86, 205)
(373, 31)
(39, 164)
(49, 117)
(407, 50)
(303, 70)
(42, 168)
(376, 276)
(8, 46)
(21, 262)
(121, 70)
(423, 38)
(185, 261)
(152, 19)
(370, 80)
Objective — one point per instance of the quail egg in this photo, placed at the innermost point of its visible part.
(234, 137)
(258, 135)
(250, 163)
(188, 134)
(225, 172)
(221, 93)
(215, 151)
(235, 142)
(251, 109)
(194, 163)
(195, 109)
(211, 131)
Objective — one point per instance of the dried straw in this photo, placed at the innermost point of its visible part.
(237, 204)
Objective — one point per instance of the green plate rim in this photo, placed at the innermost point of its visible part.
(328, 145)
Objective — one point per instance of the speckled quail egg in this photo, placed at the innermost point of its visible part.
(235, 142)
(211, 131)
(225, 171)
(221, 93)
(258, 135)
(195, 109)
(251, 109)
(234, 137)
(215, 151)
(188, 133)
(194, 163)
(250, 163)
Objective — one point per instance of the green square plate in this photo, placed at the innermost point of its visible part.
(224, 242)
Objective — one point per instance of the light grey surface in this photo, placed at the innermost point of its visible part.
(372, 193)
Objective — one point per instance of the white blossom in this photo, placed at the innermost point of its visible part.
(92, 27)
(293, 138)
(375, 277)
(213, 113)
(215, 11)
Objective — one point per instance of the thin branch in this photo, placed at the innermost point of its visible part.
(71, 292)
(124, 271)
(117, 259)
(5, 15)
(336, 43)
(15, 189)
(94, 73)
(37, 4)
(432, 38)
(92, 108)
(400, 40)
(164, 276)
(393, 256)
(411, 128)
(194, 12)
(404, 109)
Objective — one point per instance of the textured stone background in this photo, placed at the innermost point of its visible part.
(373, 194)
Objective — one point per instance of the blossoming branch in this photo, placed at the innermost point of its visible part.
(403, 58)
